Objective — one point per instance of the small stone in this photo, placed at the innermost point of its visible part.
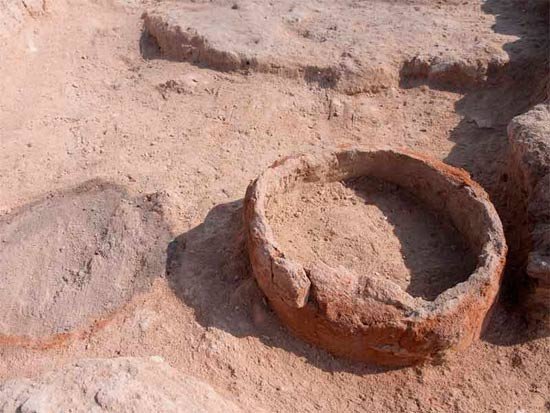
(157, 359)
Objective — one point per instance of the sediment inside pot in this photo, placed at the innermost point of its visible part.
(373, 228)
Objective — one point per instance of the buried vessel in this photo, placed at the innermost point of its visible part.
(363, 316)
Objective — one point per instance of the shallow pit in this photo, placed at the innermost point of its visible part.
(381, 256)
(70, 259)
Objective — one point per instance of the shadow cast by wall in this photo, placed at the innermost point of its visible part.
(207, 268)
(148, 46)
(482, 143)
(432, 249)
(481, 140)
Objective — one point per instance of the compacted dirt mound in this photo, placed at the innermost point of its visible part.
(337, 44)
(13, 14)
(529, 136)
(113, 385)
(75, 256)
(372, 227)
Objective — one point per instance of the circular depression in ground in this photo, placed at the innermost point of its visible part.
(74, 257)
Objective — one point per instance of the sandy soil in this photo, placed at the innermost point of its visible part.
(79, 101)
(114, 385)
(372, 228)
(74, 256)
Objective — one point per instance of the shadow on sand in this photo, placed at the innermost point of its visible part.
(207, 268)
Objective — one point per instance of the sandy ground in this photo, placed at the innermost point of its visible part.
(79, 101)
(371, 227)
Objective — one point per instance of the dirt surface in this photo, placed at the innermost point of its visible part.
(122, 384)
(371, 227)
(16, 13)
(72, 258)
(80, 101)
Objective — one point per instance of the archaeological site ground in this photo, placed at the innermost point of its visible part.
(274, 206)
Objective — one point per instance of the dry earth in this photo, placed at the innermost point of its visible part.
(74, 257)
(114, 385)
(86, 94)
(372, 227)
